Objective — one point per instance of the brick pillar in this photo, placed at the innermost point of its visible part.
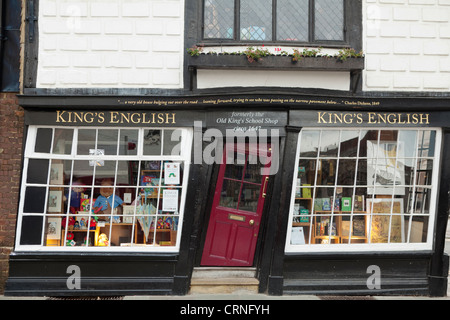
(11, 138)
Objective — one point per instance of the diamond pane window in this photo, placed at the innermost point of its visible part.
(292, 20)
(219, 19)
(303, 21)
(329, 20)
(256, 20)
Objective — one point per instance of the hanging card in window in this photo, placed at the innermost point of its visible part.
(170, 200)
(171, 173)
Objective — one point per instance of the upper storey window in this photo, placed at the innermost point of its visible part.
(293, 21)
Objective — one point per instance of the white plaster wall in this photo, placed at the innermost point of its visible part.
(407, 45)
(111, 44)
(260, 78)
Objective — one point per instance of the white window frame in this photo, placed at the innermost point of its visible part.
(29, 153)
(369, 247)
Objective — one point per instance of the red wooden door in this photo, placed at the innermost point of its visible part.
(237, 208)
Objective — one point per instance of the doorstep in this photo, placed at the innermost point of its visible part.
(224, 281)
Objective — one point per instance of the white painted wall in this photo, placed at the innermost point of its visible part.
(407, 45)
(111, 43)
(260, 78)
(140, 44)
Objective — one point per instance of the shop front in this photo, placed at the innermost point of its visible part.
(131, 197)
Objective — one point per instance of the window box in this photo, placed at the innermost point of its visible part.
(274, 62)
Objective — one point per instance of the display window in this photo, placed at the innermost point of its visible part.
(364, 189)
(103, 189)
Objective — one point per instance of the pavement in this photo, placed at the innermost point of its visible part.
(252, 297)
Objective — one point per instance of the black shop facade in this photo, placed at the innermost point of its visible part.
(317, 195)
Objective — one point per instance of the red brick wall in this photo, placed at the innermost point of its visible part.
(11, 135)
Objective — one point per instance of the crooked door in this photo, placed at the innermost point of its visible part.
(237, 208)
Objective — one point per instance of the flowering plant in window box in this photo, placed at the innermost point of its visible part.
(256, 58)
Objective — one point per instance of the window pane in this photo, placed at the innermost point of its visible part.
(347, 171)
(62, 141)
(86, 141)
(83, 172)
(329, 20)
(329, 143)
(106, 171)
(419, 230)
(292, 20)
(249, 197)
(55, 200)
(31, 233)
(152, 142)
(127, 173)
(60, 172)
(43, 140)
(38, 171)
(107, 141)
(349, 143)
(128, 142)
(256, 20)
(309, 143)
(253, 170)
(219, 19)
(172, 142)
(34, 200)
(230, 194)
(407, 143)
(427, 140)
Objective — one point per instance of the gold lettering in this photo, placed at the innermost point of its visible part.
(338, 117)
(371, 117)
(415, 119)
(124, 116)
(360, 118)
(59, 116)
(392, 118)
(400, 121)
(136, 120)
(424, 117)
(350, 120)
(160, 118)
(78, 116)
(101, 117)
(144, 119)
(171, 117)
(88, 117)
(380, 117)
(320, 117)
(114, 115)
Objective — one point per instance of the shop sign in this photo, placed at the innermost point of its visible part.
(112, 118)
(246, 121)
(376, 119)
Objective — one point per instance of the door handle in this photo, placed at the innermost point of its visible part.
(264, 188)
(251, 222)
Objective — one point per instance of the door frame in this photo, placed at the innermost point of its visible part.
(203, 224)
